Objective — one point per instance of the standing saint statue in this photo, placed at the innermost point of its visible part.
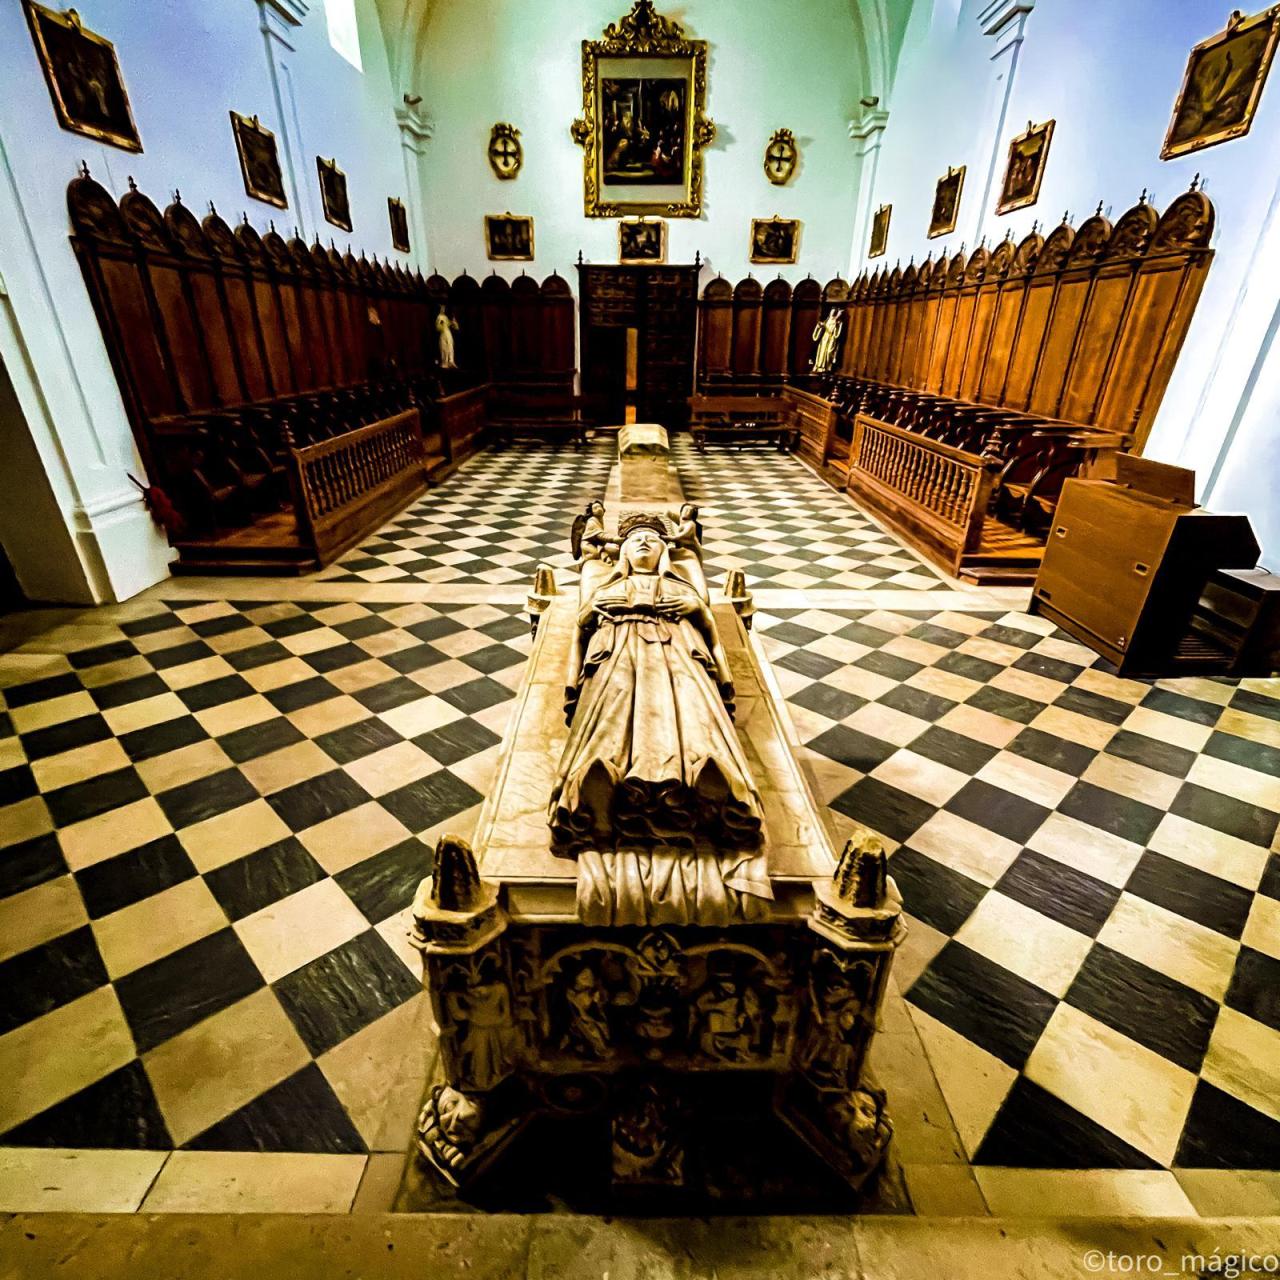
(653, 795)
(827, 335)
(445, 329)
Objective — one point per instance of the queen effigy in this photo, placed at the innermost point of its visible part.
(653, 900)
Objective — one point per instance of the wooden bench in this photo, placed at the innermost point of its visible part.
(742, 419)
(539, 413)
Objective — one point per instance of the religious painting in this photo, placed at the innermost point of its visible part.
(399, 224)
(259, 160)
(1025, 167)
(84, 77)
(643, 125)
(880, 231)
(1222, 84)
(642, 240)
(774, 239)
(508, 237)
(946, 203)
(333, 193)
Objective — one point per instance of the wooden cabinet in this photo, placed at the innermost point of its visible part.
(1124, 571)
(648, 311)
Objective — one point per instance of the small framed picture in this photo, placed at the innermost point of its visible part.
(880, 231)
(84, 77)
(642, 240)
(775, 239)
(508, 237)
(1025, 168)
(399, 224)
(259, 160)
(333, 193)
(1222, 84)
(946, 203)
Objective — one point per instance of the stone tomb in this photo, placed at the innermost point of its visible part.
(654, 901)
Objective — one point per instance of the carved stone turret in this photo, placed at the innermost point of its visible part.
(454, 910)
(540, 598)
(860, 903)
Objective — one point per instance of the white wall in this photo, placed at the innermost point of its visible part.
(186, 64)
(1108, 74)
(773, 64)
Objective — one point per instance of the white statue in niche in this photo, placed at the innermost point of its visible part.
(827, 335)
(445, 329)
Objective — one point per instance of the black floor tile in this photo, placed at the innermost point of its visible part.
(984, 1002)
(1040, 664)
(165, 621)
(257, 880)
(120, 1110)
(814, 665)
(1190, 892)
(1058, 891)
(1270, 882)
(49, 976)
(506, 628)
(203, 798)
(887, 664)
(1000, 702)
(852, 749)
(827, 700)
(335, 657)
(82, 800)
(953, 749)
(67, 736)
(29, 863)
(884, 808)
(1244, 751)
(430, 800)
(456, 740)
(965, 664)
(213, 693)
(158, 739)
(476, 695)
(1221, 1132)
(1176, 704)
(792, 633)
(23, 695)
(164, 998)
(261, 739)
(129, 877)
(384, 884)
(1256, 704)
(1163, 756)
(1128, 819)
(307, 803)
(301, 1113)
(917, 702)
(355, 741)
(1053, 752)
(998, 810)
(359, 628)
(291, 626)
(1014, 636)
(1165, 1016)
(16, 784)
(416, 658)
(493, 657)
(1255, 987)
(100, 654)
(389, 694)
(257, 655)
(934, 634)
(944, 899)
(302, 693)
(1225, 813)
(1035, 1129)
(435, 628)
(1094, 705)
(179, 655)
(333, 997)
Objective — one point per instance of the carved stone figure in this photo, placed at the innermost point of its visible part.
(686, 546)
(588, 539)
(445, 329)
(653, 794)
(727, 1013)
(588, 1029)
(449, 1127)
(827, 335)
(859, 1124)
(647, 1147)
(488, 1041)
(838, 996)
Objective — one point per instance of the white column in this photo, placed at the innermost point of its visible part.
(867, 130)
(1004, 21)
(277, 20)
(416, 129)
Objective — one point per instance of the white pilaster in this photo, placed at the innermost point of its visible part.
(416, 129)
(278, 20)
(867, 131)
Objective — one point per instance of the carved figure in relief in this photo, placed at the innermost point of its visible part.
(588, 1030)
(652, 765)
(450, 1126)
(686, 546)
(488, 1041)
(827, 335)
(727, 1015)
(646, 1140)
(445, 329)
(838, 997)
(858, 1122)
(588, 539)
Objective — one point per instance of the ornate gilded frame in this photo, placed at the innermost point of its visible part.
(627, 260)
(880, 231)
(1237, 26)
(757, 224)
(1041, 133)
(333, 193)
(941, 226)
(250, 131)
(490, 219)
(644, 34)
(398, 217)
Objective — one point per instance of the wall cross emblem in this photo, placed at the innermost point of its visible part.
(780, 157)
(506, 155)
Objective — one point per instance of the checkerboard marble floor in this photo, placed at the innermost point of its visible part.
(213, 815)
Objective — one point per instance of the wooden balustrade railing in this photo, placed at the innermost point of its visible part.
(940, 492)
(345, 485)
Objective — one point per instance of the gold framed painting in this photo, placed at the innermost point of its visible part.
(1024, 170)
(333, 193)
(880, 231)
(399, 224)
(508, 237)
(642, 240)
(946, 203)
(84, 78)
(259, 160)
(775, 239)
(643, 125)
(1222, 84)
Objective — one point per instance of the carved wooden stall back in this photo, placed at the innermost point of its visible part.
(239, 355)
(980, 382)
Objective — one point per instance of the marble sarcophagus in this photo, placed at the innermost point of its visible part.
(653, 897)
